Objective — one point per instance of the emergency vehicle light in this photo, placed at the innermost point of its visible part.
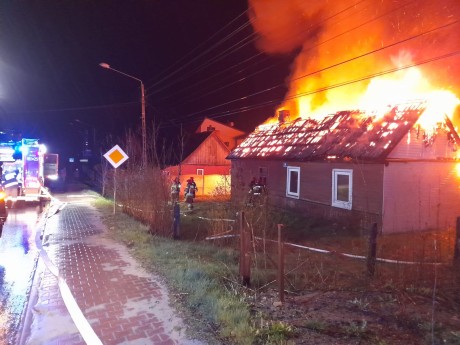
(24, 150)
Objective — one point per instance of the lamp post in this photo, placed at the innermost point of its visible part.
(144, 130)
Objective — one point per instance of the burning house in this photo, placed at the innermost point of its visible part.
(358, 167)
(392, 158)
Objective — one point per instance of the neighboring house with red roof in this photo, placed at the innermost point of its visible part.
(203, 157)
(227, 133)
(357, 168)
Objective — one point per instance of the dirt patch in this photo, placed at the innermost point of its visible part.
(330, 298)
(362, 317)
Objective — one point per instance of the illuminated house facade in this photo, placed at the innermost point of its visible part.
(204, 157)
(357, 168)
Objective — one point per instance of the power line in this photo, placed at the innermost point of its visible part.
(214, 90)
(185, 57)
(379, 49)
(197, 57)
(291, 37)
(232, 49)
(333, 86)
(69, 109)
(329, 67)
(215, 75)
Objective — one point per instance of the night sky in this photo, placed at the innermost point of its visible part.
(203, 58)
(196, 58)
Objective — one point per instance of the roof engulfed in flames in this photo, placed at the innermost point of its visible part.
(344, 135)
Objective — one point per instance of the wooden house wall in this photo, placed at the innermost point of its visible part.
(413, 146)
(316, 188)
(213, 177)
(210, 152)
(420, 196)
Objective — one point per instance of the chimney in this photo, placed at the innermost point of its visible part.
(283, 116)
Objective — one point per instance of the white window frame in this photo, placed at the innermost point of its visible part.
(200, 172)
(340, 203)
(289, 193)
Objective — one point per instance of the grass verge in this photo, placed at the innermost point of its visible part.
(201, 273)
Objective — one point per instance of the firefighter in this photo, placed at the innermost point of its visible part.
(256, 189)
(252, 184)
(175, 190)
(190, 190)
(191, 187)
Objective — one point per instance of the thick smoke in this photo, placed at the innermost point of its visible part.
(331, 34)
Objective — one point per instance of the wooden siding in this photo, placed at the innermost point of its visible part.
(316, 188)
(420, 196)
(192, 169)
(208, 184)
(415, 146)
(211, 152)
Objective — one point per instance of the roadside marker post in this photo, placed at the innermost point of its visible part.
(280, 263)
(116, 157)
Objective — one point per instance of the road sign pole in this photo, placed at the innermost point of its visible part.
(116, 156)
(114, 190)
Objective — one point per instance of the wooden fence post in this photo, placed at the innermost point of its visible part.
(176, 220)
(372, 250)
(457, 240)
(245, 255)
(280, 263)
(114, 190)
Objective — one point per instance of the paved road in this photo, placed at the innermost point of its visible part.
(122, 303)
(18, 256)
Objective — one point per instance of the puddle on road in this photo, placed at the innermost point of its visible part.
(17, 263)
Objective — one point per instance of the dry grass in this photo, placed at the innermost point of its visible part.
(305, 270)
(311, 270)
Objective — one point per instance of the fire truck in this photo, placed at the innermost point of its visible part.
(51, 167)
(23, 170)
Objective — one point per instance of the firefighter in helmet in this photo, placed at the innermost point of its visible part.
(175, 190)
(256, 191)
(190, 190)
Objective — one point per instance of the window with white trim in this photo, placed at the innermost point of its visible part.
(293, 182)
(342, 188)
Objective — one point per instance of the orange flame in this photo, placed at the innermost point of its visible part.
(361, 54)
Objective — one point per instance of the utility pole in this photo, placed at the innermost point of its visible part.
(144, 127)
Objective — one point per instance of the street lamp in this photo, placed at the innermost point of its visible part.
(144, 131)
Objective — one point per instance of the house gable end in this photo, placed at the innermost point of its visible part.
(418, 144)
(211, 151)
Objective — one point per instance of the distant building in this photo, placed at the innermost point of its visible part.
(204, 157)
(357, 168)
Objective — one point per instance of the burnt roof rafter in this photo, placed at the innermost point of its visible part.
(345, 135)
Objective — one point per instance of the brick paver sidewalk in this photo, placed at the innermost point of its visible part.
(123, 303)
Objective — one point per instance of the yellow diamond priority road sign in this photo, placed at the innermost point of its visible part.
(116, 156)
